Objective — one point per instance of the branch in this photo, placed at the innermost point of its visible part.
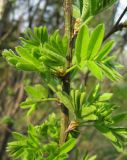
(66, 78)
(118, 26)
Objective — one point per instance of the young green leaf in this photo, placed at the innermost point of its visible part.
(95, 41)
(85, 8)
(26, 67)
(76, 11)
(93, 7)
(88, 110)
(82, 42)
(34, 37)
(107, 132)
(105, 97)
(95, 69)
(91, 117)
(67, 146)
(66, 100)
(105, 50)
(87, 157)
(87, 53)
(49, 56)
(110, 73)
(37, 91)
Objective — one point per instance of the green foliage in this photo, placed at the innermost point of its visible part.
(88, 107)
(25, 60)
(117, 135)
(88, 8)
(76, 11)
(54, 51)
(96, 109)
(41, 142)
(39, 53)
(26, 55)
(87, 157)
(36, 94)
(35, 37)
(47, 55)
(90, 52)
(65, 99)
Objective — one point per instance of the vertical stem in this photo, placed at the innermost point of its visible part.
(66, 78)
(68, 17)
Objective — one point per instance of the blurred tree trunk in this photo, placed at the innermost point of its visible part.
(11, 81)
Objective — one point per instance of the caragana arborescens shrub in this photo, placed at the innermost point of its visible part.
(48, 56)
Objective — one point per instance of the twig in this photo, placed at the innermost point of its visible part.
(117, 26)
(121, 16)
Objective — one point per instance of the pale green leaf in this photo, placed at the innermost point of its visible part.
(85, 8)
(87, 157)
(28, 58)
(67, 146)
(82, 42)
(108, 72)
(93, 7)
(88, 110)
(65, 99)
(37, 91)
(18, 136)
(95, 69)
(105, 50)
(76, 11)
(120, 130)
(95, 41)
(107, 132)
(26, 67)
(105, 96)
(91, 117)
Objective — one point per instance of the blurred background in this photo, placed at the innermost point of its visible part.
(15, 17)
